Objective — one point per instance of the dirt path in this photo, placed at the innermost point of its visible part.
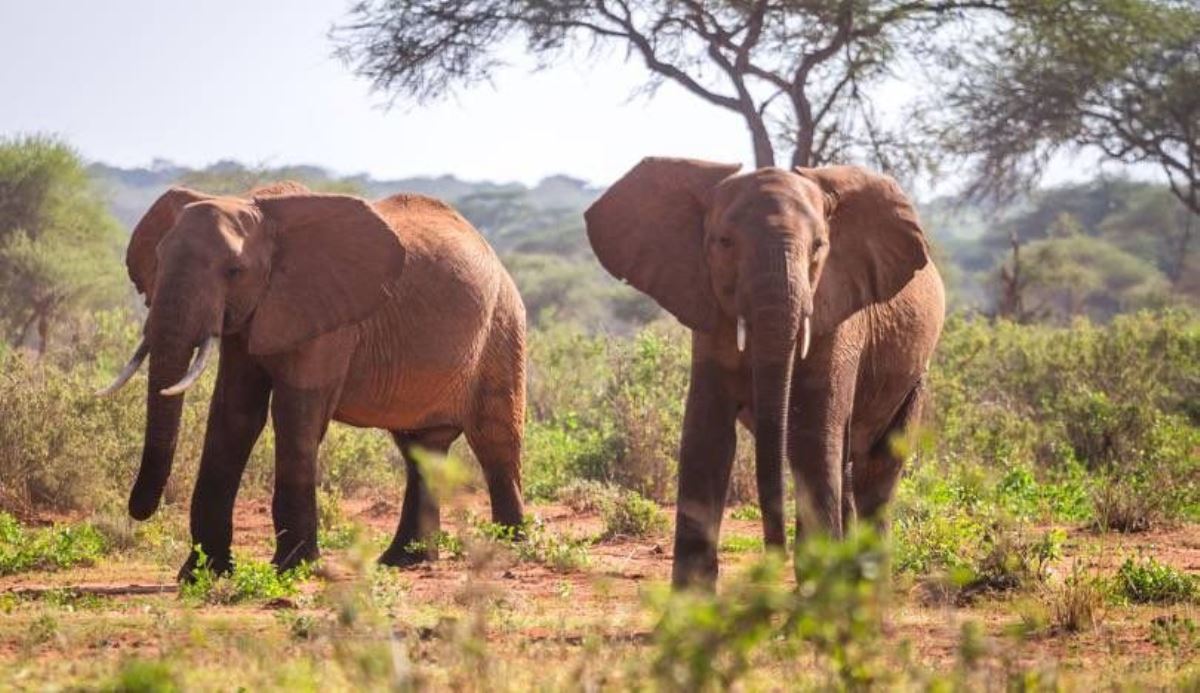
(604, 599)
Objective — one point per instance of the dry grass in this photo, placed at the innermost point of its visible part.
(495, 622)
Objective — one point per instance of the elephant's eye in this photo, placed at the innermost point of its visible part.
(725, 241)
(233, 272)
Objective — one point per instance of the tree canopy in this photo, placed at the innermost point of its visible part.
(798, 72)
(1118, 77)
(60, 249)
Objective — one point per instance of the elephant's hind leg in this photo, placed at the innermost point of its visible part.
(497, 445)
(875, 482)
(495, 430)
(420, 517)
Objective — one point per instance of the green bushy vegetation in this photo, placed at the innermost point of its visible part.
(52, 548)
(628, 514)
(606, 410)
(833, 613)
(1087, 424)
(1151, 582)
(533, 542)
(250, 580)
(1090, 423)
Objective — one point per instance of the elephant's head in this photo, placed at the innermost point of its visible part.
(771, 257)
(280, 267)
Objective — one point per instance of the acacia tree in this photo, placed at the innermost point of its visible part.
(1118, 77)
(798, 72)
(60, 249)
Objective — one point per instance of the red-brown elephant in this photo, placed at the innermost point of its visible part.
(814, 307)
(394, 314)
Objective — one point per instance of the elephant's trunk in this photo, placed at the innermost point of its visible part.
(779, 303)
(172, 338)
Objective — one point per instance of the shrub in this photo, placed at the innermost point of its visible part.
(939, 520)
(746, 512)
(606, 410)
(250, 580)
(52, 548)
(1013, 559)
(704, 641)
(143, 676)
(628, 514)
(1117, 400)
(586, 495)
(741, 544)
(558, 453)
(1151, 582)
(1122, 506)
(533, 542)
(357, 460)
(1078, 604)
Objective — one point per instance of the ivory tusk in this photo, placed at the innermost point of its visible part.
(196, 369)
(805, 339)
(135, 362)
(741, 333)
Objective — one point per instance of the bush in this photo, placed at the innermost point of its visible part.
(1151, 582)
(250, 580)
(1078, 604)
(628, 514)
(1013, 559)
(559, 453)
(533, 542)
(143, 676)
(1117, 400)
(587, 496)
(705, 641)
(606, 410)
(52, 548)
(1126, 507)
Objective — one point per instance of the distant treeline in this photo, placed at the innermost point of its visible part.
(1099, 248)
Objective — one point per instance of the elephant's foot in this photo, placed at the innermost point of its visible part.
(293, 555)
(409, 554)
(217, 565)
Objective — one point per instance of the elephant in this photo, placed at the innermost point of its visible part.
(814, 308)
(394, 314)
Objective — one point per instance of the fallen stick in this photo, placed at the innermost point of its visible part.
(96, 590)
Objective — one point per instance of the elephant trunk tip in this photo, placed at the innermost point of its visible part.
(143, 505)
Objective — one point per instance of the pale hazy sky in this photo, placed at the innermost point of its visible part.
(127, 81)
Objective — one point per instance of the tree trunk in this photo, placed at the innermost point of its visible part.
(764, 153)
(802, 155)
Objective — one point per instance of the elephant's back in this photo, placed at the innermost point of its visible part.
(417, 357)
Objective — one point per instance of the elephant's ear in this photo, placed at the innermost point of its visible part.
(875, 241)
(648, 229)
(141, 258)
(334, 261)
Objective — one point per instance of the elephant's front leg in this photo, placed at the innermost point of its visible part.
(300, 417)
(235, 419)
(705, 461)
(817, 446)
